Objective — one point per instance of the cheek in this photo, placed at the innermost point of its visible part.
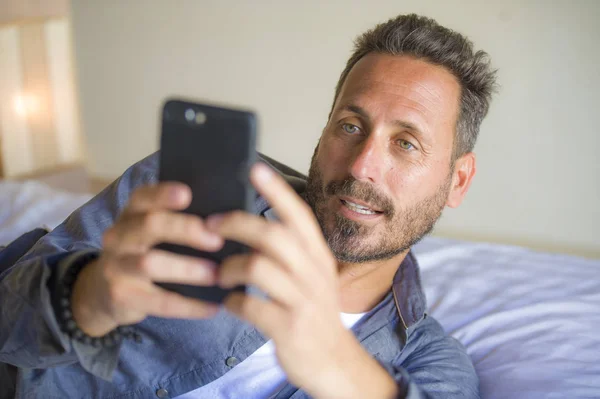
(401, 184)
(333, 158)
(413, 182)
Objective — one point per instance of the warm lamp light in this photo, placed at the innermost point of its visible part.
(25, 105)
(38, 126)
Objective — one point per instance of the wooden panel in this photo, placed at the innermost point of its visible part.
(98, 184)
(72, 178)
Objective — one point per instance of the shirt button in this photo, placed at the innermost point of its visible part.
(162, 393)
(232, 361)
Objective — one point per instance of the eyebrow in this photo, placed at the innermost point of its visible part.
(363, 114)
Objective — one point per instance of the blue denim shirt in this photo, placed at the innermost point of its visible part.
(177, 356)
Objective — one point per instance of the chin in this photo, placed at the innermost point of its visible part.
(354, 242)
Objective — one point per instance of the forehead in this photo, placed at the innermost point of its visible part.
(406, 87)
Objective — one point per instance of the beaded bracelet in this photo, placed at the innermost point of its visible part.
(65, 315)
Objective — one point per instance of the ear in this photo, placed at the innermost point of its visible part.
(464, 170)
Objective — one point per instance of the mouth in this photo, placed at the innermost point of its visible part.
(358, 209)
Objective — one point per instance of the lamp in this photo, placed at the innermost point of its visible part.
(39, 130)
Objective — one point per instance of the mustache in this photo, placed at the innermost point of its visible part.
(362, 191)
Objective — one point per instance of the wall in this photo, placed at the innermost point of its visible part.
(538, 180)
(12, 11)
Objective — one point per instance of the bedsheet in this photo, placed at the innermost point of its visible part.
(530, 320)
(30, 204)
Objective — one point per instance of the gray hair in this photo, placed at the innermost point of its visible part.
(425, 39)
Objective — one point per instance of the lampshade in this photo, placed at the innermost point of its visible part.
(39, 127)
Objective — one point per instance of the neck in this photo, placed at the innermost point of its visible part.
(363, 286)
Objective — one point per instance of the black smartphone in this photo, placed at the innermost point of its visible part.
(211, 149)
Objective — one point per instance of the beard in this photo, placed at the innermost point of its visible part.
(354, 242)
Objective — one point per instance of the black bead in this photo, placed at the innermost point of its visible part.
(66, 314)
(107, 341)
(87, 340)
(78, 334)
(71, 325)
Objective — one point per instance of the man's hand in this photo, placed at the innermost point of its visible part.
(118, 288)
(293, 265)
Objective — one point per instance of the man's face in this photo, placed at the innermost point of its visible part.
(382, 171)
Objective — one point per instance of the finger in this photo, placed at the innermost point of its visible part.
(137, 233)
(164, 195)
(271, 239)
(262, 272)
(292, 210)
(167, 267)
(266, 315)
(156, 301)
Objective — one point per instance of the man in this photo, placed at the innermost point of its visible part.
(344, 314)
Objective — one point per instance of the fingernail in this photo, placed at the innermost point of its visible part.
(262, 172)
(205, 270)
(174, 194)
(213, 240)
(213, 222)
(178, 194)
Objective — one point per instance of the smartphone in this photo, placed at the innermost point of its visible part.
(211, 149)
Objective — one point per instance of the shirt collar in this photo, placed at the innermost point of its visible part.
(408, 291)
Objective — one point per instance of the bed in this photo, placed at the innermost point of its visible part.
(529, 320)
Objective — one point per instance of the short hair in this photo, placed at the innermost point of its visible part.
(423, 38)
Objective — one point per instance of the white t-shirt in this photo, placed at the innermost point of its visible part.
(259, 376)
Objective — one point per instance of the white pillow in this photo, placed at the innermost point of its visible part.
(530, 321)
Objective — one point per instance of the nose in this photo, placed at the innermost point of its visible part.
(369, 160)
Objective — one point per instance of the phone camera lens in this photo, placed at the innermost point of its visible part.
(200, 118)
(190, 115)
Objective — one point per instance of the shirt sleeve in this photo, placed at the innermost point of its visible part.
(30, 336)
(434, 365)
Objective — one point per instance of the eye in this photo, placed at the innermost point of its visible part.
(405, 145)
(350, 128)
